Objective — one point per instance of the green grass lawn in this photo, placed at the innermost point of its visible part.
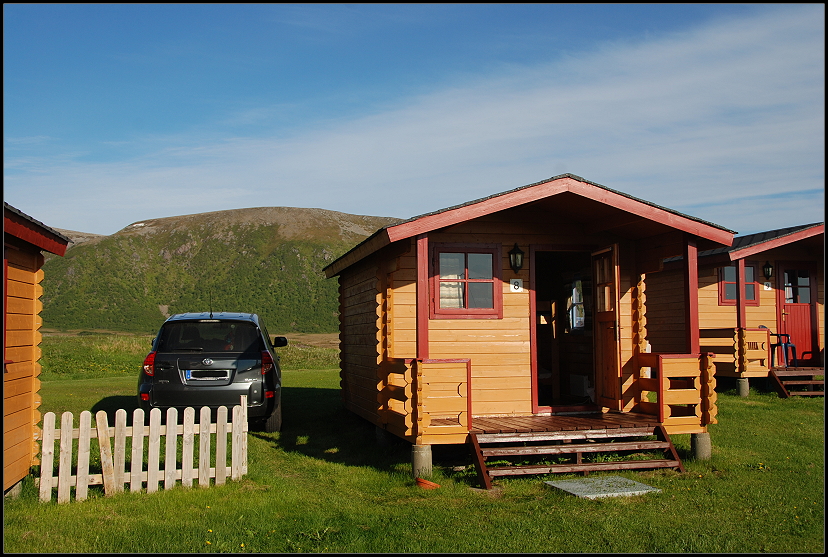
(323, 484)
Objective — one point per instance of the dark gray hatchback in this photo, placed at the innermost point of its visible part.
(210, 359)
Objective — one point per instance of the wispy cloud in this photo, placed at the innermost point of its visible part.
(725, 122)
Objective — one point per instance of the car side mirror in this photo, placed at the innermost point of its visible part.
(279, 342)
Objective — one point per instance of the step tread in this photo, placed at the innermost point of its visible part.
(608, 433)
(586, 466)
(575, 448)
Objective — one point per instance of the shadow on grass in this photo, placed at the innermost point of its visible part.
(316, 424)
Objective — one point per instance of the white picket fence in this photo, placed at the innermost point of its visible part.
(114, 474)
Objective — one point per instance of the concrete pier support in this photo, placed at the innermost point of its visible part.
(744, 386)
(421, 461)
(701, 446)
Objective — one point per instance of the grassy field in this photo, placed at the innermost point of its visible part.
(324, 485)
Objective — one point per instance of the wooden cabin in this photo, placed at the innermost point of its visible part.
(524, 311)
(24, 239)
(762, 286)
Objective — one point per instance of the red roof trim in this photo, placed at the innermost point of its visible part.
(777, 242)
(553, 187)
(33, 234)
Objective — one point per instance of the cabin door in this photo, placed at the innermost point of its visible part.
(798, 310)
(607, 345)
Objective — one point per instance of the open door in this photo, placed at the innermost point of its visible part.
(607, 344)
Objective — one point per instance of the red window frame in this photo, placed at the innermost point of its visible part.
(724, 301)
(495, 312)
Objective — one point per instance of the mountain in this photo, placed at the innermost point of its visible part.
(265, 260)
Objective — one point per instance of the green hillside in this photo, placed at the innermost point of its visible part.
(265, 260)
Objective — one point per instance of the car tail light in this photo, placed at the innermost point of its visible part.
(145, 397)
(267, 362)
(270, 394)
(149, 364)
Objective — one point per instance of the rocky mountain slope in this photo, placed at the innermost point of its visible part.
(266, 260)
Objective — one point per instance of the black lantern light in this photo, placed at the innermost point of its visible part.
(516, 258)
(767, 269)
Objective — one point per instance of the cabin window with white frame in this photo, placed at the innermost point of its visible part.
(728, 286)
(466, 283)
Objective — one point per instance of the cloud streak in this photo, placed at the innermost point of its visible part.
(725, 122)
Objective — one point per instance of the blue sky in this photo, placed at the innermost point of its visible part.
(119, 113)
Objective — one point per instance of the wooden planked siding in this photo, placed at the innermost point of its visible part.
(20, 383)
(664, 309)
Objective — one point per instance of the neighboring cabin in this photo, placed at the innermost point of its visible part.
(441, 326)
(24, 239)
(765, 284)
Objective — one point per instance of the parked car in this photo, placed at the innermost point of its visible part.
(210, 359)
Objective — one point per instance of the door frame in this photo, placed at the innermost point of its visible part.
(811, 267)
(533, 326)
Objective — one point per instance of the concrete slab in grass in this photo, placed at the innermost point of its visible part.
(609, 486)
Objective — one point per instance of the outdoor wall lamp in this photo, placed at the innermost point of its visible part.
(516, 258)
(767, 269)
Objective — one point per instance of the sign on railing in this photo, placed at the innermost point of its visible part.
(112, 446)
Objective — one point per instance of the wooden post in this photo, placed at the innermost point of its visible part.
(221, 445)
(187, 448)
(691, 295)
(422, 297)
(65, 466)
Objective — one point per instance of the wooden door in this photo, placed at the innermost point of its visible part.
(607, 344)
(797, 310)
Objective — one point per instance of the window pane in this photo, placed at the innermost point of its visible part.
(576, 316)
(730, 291)
(730, 274)
(577, 292)
(803, 278)
(480, 266)
(451, 295)
(804, 295)
(749, 276)
(452, 265)
(481, 295)
(750, 292)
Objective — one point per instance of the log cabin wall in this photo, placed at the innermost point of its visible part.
(361, 320)
(22, 352)
(665, 310)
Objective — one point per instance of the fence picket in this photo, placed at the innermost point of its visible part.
(171, 448)
(119, 454)
(137, 466)
(187, 448)
(65, 461)
(204, 448)
(113, 446)
(221, 445)
(107, 467)
(47, 456)
(84, 439)
(154, 450)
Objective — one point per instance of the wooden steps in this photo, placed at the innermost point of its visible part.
(797, 381)
(533, 446)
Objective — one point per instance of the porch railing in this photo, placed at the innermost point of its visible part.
(683, 386)
(737, 350)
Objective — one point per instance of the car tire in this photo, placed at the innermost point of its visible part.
(274, 422)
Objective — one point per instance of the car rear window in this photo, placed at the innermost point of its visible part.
(209, 336)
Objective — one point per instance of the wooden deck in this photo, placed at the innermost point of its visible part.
(593, 421)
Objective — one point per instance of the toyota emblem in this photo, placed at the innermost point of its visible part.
(207, 362)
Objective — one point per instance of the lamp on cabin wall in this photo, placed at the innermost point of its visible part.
(767, 269)
(516, 258)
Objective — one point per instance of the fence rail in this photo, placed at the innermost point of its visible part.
(112, 444)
